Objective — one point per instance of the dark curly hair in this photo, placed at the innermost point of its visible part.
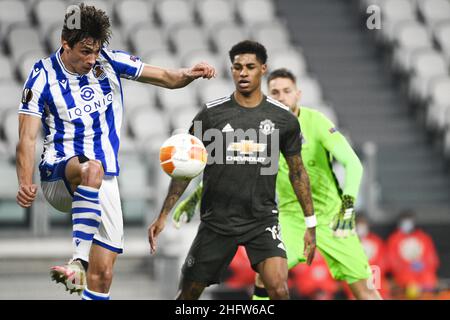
(94, 24)
(248, 46)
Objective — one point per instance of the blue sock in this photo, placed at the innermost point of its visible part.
(92, 295)
(86, 218)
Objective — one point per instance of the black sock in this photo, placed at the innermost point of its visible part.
(84, 263)
(260, 292)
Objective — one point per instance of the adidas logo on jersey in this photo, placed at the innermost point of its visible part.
(228, 128)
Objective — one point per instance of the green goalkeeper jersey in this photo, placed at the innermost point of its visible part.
(321, 142)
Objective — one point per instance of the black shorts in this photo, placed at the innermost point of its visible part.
(211, 253)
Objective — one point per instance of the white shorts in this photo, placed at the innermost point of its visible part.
(110, 232)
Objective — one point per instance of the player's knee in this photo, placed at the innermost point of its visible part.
(258, 281)
(277, 287)
(101, 275)
(279, 292)
(92, 174)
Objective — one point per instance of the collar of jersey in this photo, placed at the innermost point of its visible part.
(63, 67)
(246, 108)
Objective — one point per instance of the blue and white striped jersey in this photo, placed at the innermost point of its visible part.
(81, 114)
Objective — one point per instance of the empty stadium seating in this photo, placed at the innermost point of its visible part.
(417, 34)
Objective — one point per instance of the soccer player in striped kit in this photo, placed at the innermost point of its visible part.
(76, 95)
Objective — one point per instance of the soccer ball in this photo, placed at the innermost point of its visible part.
(183, 156)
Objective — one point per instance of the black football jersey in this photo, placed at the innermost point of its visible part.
(243, 147)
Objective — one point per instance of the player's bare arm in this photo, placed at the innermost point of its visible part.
(300, 183)
(176, 78)
(28, 131)
(176, 189)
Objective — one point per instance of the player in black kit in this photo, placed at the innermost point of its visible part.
(243, 133)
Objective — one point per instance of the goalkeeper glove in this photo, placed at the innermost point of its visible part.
(343, 223)
(186, 209)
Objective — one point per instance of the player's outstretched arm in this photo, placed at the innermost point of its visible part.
(176, 78)
(300, 182)
(186, 209)
(176, 189)
(28, 132)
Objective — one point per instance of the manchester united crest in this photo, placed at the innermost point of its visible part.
(267, 127)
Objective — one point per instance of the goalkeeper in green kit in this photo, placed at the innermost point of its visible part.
(335, 231)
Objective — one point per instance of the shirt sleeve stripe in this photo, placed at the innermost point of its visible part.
(32, 113)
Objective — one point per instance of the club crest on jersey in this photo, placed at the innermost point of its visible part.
(267, 127)
(99, 72)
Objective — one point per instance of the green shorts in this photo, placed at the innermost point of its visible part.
(345, 257)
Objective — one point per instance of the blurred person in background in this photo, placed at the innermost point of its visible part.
(76, 96)
(238, 279)
(413, 257)
(313, 282)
